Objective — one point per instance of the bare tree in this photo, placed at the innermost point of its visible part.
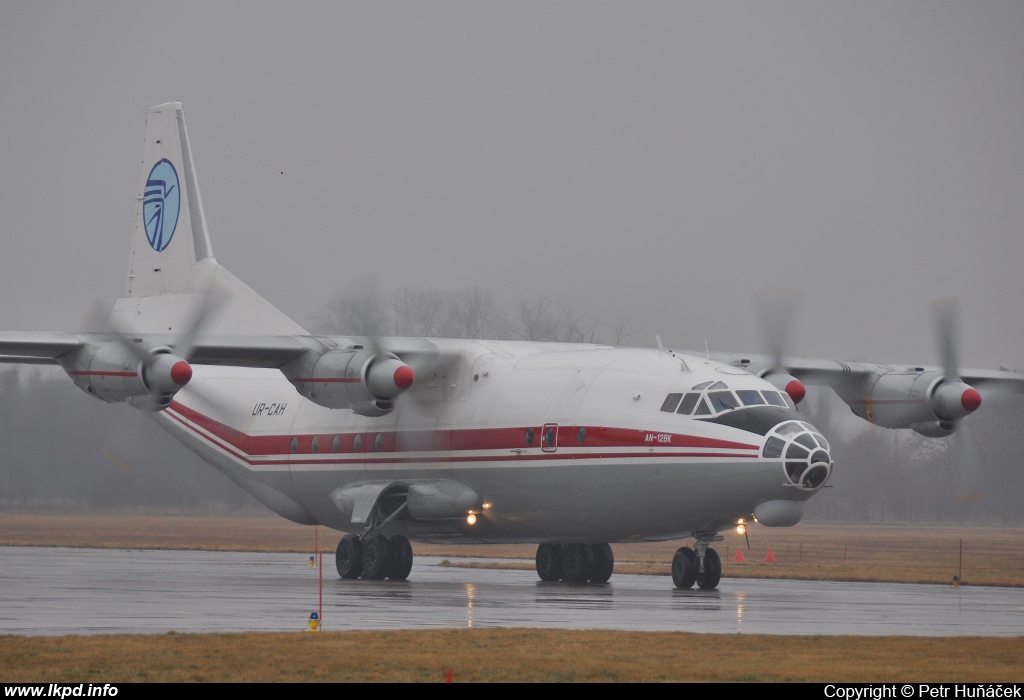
(478, 314)
(362, 313)
(537, 321)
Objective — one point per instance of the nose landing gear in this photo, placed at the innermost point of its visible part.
(703, 566)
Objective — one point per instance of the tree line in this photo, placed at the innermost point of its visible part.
(471, 312)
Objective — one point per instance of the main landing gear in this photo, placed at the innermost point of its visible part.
(578, 563)
(703, 566)
(374, 557)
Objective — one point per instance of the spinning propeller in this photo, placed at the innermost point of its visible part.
(166, 370)
(953, 398)
(777, 309)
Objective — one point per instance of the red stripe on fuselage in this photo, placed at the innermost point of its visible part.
(247, 447)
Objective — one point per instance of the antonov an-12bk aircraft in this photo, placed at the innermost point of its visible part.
(570, 446)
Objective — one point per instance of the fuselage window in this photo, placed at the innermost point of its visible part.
(549, 437)
(750, 397)
(688, 404)
(314, 444)
(357, 443)
(723, 401)
(336, 444)
(774, 398)
(671, 401)
(378, 442)
(529, 436)
(581, 435)
(295, 444)
(702, 408)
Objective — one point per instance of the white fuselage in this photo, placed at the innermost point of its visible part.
(562, 442)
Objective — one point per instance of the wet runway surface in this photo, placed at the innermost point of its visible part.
(97, 591)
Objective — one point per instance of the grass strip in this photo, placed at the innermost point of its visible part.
(475, 655)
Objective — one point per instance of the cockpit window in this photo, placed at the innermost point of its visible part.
(719, 399)
(671, 401)
(750, 397)
(789, 428)
(723, 400)
(807, 441)
(688, 404)
(789, 401)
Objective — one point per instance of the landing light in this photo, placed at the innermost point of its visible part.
(486, 506)
(741, 528)
(471, 519)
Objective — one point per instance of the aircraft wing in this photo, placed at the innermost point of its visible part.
(1000, 380)
(37, 348)
(268, 351)
(825, 372)
(817, 372)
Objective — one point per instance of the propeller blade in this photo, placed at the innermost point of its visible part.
(944, 313)
(210, 302)
(96, 316)
(777, 310)
(124, 446)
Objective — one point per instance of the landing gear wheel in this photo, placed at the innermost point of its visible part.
(349, 557)
(604, 563)
(375, 557)
(549, 561)
(401, 558)
(577, 562)
(712, 570)
(684, 568)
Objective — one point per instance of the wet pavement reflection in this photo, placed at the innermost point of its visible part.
(90, 591)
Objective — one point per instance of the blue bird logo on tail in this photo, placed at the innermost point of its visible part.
(160, 204)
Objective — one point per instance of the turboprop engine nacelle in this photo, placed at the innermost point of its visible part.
(363, 380)
(149, 377)
(928, 402)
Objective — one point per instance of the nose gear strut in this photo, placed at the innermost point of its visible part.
(703, 566)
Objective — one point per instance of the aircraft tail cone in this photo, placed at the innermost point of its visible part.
(769, 558)
(739, 555)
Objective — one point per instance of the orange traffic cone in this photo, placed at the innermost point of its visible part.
(770, 558)
(739, 555)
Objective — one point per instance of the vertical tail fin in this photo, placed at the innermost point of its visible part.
(170, 234)
(171, 260)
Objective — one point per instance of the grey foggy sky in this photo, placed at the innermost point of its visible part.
(664, 159)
